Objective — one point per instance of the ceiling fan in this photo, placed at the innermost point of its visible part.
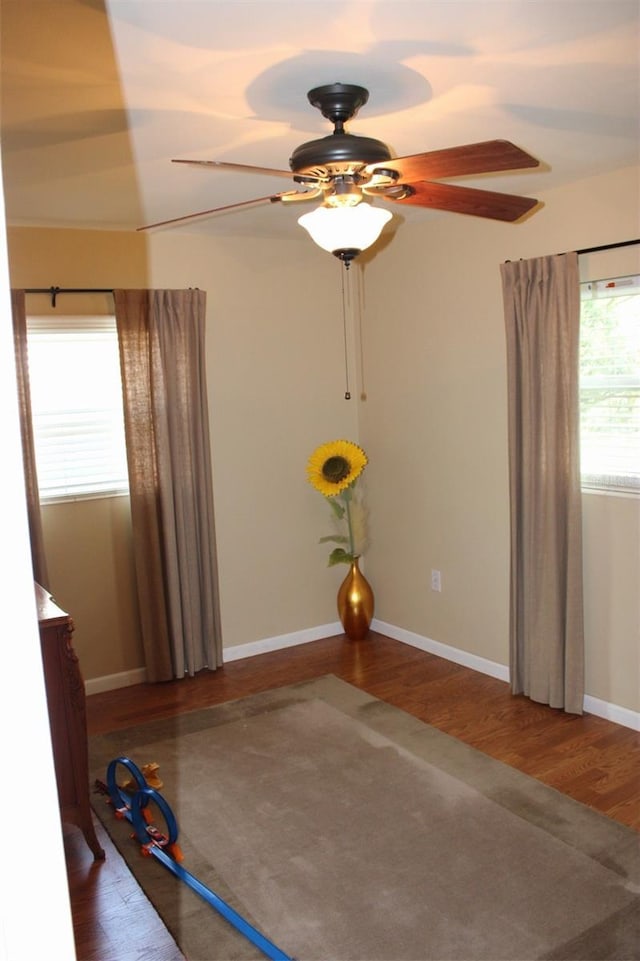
(345, 171)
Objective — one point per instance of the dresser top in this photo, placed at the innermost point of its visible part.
(48, 610)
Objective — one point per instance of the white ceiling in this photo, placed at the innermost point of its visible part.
(99, 95)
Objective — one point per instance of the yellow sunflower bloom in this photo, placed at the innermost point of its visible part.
(335, 466)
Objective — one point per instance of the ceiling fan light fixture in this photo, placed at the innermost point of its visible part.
(342, 229)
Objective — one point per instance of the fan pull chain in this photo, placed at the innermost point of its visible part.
(360, 308)
(347, 392)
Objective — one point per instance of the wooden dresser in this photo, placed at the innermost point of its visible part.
(67, 716)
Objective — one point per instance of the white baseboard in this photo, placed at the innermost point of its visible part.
(238, 651)
(592, 705)
(612, 712)
(111, 682)
(476, 663)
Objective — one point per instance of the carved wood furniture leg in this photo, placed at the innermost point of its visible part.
(67, 717)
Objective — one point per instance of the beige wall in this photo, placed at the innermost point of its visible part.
(435, 427)
(41, 257)
(276, 389)
(611, 531)
(87, 542)
(90, 561)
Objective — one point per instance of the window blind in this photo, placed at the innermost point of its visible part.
(610, 384)
(76, 402)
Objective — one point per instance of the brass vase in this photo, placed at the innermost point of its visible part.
(355, 603)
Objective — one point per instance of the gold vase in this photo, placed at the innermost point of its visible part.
(355, 603)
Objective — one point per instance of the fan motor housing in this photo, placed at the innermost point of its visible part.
(338, 154)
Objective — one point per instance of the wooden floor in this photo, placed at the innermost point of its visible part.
(592, 760)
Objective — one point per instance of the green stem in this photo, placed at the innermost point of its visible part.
(347, 498)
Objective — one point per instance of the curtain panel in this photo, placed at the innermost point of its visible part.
(38, 558)
(542, 322)
(161, 336)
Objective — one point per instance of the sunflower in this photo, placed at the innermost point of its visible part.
(334, 467)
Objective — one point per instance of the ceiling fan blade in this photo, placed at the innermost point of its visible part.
(475, 158)
(466, 200)
(241, 168)
(274, 198)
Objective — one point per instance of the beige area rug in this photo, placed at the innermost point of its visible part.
(347, 830)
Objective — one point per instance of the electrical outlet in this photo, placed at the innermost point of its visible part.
(436, 581)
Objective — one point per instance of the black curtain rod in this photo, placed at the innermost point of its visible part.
(595, 250)
(54, 291)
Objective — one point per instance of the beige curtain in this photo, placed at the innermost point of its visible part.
(38, 558)
(161, 335)
(542, 317)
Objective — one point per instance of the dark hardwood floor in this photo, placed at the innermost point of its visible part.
(589, 759)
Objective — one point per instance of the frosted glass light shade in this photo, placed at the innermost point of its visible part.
(345, 228)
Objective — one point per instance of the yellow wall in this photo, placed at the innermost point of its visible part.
(435, 428)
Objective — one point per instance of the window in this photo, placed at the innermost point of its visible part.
(610, 384)
(76, 402)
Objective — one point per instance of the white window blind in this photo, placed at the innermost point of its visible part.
(76, 402)
(610, 384)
